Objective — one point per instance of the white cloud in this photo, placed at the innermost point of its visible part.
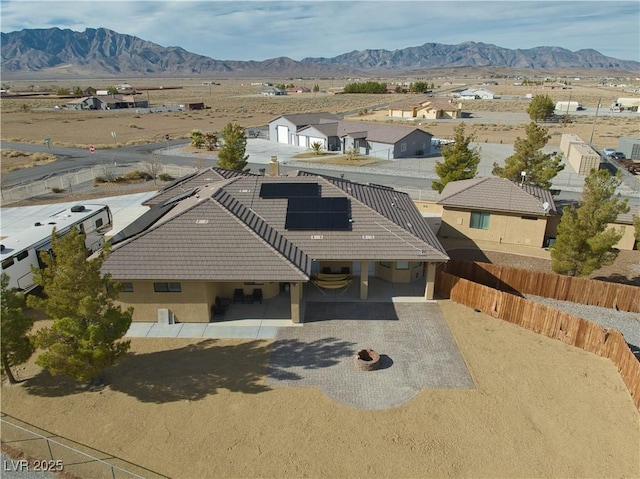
(255, 30)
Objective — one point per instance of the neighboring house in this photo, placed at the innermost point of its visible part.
(580, 156)
(624, 222)
(284, 128)
(630, 147)
(375, 139)
(274, 92)
(106, 102)
(425, 107)
(218, 232)
(498, 210)
(476, 94)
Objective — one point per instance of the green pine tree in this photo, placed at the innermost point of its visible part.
(541, 107)
(87, 327)
(232, 155)
(15, 343)
(460, 160)
(584, 242)
(540, 168)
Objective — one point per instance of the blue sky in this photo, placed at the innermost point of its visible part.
(256, 30)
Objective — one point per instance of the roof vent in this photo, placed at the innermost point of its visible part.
(368, 237)
(317, 237)
(245, 191)
(37, 224)
(202, 222)
(77, 209)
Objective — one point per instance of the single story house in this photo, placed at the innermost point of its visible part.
(106, 102)
(375, 139)
(498, 210)
(475, 94)
(221, 234)
(426, 107)
(274, 92)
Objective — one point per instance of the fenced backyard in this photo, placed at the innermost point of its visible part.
(541, 319)
(605, 294)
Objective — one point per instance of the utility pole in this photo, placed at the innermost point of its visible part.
(593, 129)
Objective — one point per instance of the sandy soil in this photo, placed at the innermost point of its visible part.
(32, 120)
(201, 409)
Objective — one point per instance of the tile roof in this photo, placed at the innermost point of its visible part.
(191, 181)
(304, 119)
(226, 231)
(497, 194)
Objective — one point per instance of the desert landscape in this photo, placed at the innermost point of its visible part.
(192, 408)
(33, 119)
(188, 408)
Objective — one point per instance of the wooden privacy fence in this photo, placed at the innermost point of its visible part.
(545, 320)
(592, 292)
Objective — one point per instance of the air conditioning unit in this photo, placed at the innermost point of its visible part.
(165, 316)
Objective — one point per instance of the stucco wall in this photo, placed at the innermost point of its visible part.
(512, 229)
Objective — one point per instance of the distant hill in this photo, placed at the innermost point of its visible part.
(98, 53)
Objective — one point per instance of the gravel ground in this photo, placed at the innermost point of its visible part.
(627, 323)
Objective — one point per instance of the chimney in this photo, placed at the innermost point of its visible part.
(274, 166)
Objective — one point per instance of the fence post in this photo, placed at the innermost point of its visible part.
(49, 447)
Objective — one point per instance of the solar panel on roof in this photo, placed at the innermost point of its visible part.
(289, 190)
(328, 214)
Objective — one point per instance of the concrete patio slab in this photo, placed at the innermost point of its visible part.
(192, 330)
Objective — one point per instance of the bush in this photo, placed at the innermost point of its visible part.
(165, 177)
(55, 189)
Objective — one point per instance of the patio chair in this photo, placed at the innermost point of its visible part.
(257, 295)
(345, 270)
(222, 308)
(238, 296)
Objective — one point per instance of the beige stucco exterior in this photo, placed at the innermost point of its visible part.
(192, 304)
(502, 228)
(628, 240)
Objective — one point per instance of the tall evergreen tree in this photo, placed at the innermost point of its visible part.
(14, 341)
(540, 168)
(584, 241)
(232, 155)
(541, 107)
(460, 160)
(87, 327)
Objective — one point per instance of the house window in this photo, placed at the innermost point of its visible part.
(533, 218)
(385, 264)
(479, 220)
(22, 255)
(167, 287)
(416, 265)
(127, 287)
(403, 147)
(402, 265)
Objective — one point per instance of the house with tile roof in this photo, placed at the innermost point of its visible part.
(216, 232)
(499, 210)
(425, 106)
(374, 139)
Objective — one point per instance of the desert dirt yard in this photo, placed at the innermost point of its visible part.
(193, 409)
(34, 119)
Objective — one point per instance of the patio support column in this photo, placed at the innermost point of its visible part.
(364, 279)
(296, 296)
(431, 281)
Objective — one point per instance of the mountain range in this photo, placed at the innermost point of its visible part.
(54, 53)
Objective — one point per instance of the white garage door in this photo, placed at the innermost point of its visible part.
(313, 140)
(283, 134)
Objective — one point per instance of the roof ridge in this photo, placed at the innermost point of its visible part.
(456, 192)
(267, 233)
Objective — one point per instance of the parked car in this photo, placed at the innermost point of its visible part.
(618, 155)
(608, 151)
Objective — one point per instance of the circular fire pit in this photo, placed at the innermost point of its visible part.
(367, 360)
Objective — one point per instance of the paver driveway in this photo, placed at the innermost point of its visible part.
(416, 347)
